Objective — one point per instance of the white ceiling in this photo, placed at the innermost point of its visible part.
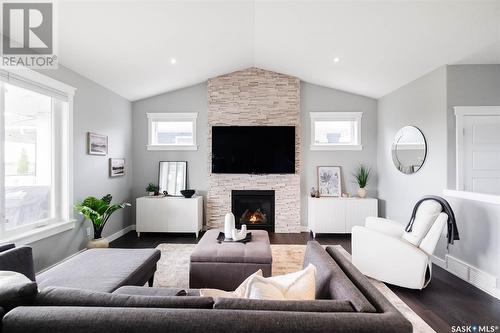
(127, 46)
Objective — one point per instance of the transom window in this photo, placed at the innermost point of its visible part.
(336, 130)
(172, 131)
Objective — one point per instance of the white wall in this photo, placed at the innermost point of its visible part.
(421, 103)
(427, 103)
(96, 109)
(468, 85)
(314, 98)
(478, 223)
(146, 163)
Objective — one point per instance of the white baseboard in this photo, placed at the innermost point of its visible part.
(439, 262)
(120, 233)
(478, 278)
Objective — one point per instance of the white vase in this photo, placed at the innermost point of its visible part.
(228, 225)
(98, 243)
(362, 192)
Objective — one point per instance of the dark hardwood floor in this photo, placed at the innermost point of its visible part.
(447, 301)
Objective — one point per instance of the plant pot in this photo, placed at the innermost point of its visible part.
(362, 192)
(151, 194)
(98, 243)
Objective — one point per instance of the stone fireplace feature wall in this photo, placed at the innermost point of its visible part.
(255, 97)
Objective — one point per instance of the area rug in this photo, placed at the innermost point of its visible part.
(173, 271)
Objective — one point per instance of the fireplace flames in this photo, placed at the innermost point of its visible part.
(253, 217)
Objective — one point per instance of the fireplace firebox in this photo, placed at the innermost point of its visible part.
(255, 208)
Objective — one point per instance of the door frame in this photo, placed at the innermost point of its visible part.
(460, 113)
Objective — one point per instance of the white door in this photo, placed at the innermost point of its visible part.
(481, 154)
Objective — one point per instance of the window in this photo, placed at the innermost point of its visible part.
(172, 131)
(35, 173)
(336, 130)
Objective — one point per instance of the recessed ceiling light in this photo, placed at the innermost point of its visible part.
(173, 61)
(336, 59)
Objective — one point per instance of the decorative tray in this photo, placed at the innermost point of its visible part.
(222, 239)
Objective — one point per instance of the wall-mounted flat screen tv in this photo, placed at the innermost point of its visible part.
(253, 149)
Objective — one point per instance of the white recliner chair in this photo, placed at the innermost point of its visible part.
(383, 250)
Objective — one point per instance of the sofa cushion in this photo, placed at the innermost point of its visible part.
(293, 286)
(287, 305)
(146, 291)
(16, 290)
(56, 319)
(102, 269)
(426, 214)
(60, 296)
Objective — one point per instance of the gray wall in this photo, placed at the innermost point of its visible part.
(468, 85)
(315, 98)
(479, 246)
(191, 99)
(98, 110)
(421, 103)
(428, 104)
(194, 99)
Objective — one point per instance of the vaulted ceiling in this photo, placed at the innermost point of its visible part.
(142, 48)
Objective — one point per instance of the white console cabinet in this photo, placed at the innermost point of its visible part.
(339, 215)
(169, 214)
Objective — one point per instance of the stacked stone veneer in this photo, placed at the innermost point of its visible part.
(255, 97)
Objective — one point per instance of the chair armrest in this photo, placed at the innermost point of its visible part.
(388, 259)
(385, 226)
(18, 259)
(428, 244)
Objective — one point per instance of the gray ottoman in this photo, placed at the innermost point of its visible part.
(103, 270)
(225, 265)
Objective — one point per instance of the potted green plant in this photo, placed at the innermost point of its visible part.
(98, 211)
(362, 175)
(152, 189)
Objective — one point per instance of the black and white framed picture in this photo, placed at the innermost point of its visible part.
(329, 181)
(116, 167)
(97, 144)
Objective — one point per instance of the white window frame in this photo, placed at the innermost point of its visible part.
(171, 116)
(336, 116)
(63, 186)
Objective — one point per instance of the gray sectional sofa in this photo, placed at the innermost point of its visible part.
(346, 302)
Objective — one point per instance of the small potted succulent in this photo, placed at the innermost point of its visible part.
(361, 176)
(152, 189)
(98, 211)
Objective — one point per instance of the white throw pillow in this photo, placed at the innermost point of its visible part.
(262, 288)
(238, 293)
(300, 285)
(8, 278)
(426, 215)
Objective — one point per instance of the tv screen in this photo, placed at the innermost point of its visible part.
(253, 149)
